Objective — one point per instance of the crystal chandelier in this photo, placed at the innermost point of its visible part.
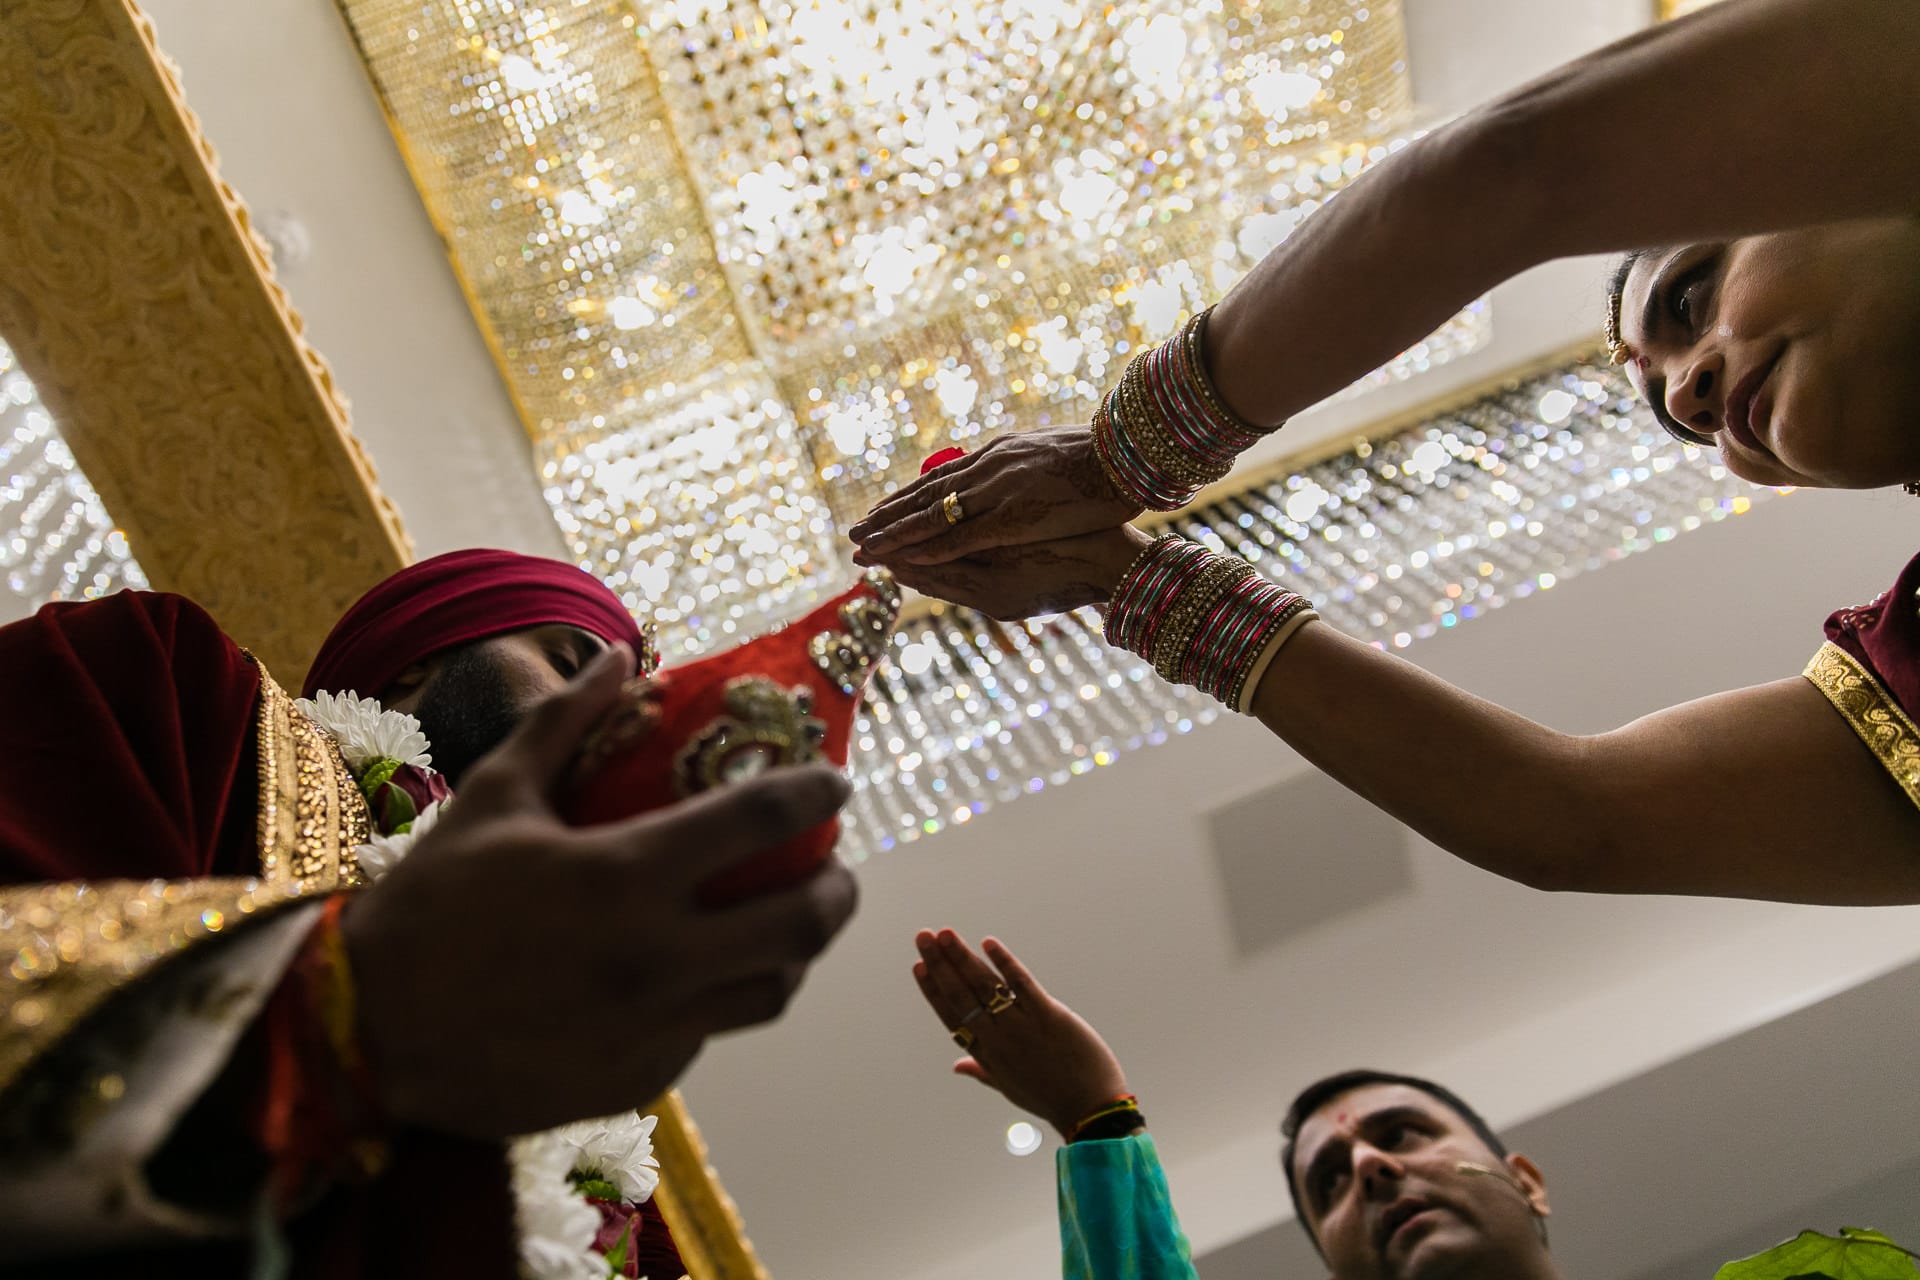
(56, 540)
(744, 263)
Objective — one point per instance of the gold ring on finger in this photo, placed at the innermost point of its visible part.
(1002, 999)
(963, 1038)
(950, 508)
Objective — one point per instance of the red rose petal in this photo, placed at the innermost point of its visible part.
(941, 459)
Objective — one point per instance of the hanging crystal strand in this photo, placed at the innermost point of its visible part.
(860, 834)
(1028, 670)
(60, 543)
(917, 732)
(949, 761)
(871, 765)
(1085, 695)
(1119, 707)
(1119, 676)
(973, 641)
(1139, 696)
(1045, 751)
(1094, 713)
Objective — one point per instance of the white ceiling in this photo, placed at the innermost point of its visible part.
(1580, 1021)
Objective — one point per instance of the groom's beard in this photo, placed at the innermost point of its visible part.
(466, 711)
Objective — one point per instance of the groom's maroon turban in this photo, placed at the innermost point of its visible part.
(456, 599)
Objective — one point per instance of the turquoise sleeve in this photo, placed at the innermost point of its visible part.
(1116, 1215)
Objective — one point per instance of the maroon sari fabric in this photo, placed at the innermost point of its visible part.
(1884, 637)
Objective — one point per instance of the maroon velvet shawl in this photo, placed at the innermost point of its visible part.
(128, 742)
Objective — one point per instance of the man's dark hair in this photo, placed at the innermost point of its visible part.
(1324, 1090)
(1617, 278)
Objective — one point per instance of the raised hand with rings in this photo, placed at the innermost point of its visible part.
(1030, 486)
(1041, 1055)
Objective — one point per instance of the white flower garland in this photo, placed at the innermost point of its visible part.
(557, 1224)
(365, 733)
(378, 856)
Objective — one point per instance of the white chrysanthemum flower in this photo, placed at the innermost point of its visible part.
(556, 1225)
(617, 1149)
(365, 732)
(378, 856)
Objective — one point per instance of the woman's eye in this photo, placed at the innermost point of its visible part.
(1690, 295)
(1690, 305)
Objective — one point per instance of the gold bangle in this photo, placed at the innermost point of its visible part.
(1103, 453)
(1148, 434)
(1298, 613)
(1178, 633)
(1196, 363)
(1111, 1109)
(1189, 470)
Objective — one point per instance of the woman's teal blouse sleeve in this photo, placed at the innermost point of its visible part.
(1116, 1216)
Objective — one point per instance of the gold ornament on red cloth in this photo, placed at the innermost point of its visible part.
(786, 698)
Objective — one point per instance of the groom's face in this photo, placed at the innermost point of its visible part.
(469, 699)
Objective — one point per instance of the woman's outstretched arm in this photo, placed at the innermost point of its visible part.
(1749, 116)
(1754, 115)
(1758, 793)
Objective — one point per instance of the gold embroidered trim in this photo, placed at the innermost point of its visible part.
(1871, 711)
(71, 945)
(311, 813)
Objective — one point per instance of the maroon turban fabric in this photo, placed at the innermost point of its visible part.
(456, 599)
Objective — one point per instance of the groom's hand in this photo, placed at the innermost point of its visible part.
(514, 972)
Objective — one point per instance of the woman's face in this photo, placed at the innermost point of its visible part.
(1796, 354)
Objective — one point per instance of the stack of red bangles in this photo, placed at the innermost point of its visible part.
(1203, 619)
(1163, 433)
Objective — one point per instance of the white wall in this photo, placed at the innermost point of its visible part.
(282, 94)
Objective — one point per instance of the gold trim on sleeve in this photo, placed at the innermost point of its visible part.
(71, 945)
(1871, 712)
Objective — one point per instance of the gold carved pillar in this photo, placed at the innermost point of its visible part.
(143, 307)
